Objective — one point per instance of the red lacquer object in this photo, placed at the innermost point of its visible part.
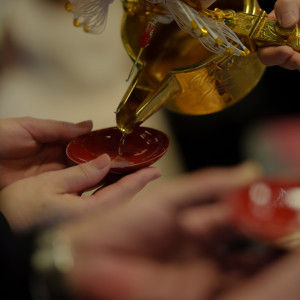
(268, 210)
(141, 148)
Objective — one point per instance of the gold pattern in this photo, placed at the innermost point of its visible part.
(176, 71)
(267, 33)
(201, 82)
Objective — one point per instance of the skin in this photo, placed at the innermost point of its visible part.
(36, 185)
(163, 245)
(31, 146)
(276, 282)
(55, 195)
(287, 12)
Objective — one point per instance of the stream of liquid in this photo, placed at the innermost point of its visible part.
(120, 161)
(122, 144)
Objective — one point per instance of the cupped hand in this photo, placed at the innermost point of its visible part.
(30, 146)
(156, 246)
(287, 13)
(55, 195)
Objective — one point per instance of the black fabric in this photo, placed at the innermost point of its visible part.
(15, 254)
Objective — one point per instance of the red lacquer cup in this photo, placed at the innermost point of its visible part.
(143, 147)
(268, 210)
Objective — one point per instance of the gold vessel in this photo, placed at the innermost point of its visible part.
(176, 71)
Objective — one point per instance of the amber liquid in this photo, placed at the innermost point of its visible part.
(122, 144)
(120, 161)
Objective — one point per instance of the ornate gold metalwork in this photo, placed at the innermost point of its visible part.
(178, 72)
(260, 31)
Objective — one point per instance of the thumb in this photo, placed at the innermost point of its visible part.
(83, 176)
(287, 13)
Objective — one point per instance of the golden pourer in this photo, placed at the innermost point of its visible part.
(177, 71)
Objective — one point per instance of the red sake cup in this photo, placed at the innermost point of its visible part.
(141, 148)
(268, 210)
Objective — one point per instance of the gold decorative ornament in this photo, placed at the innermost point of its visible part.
(193, 57)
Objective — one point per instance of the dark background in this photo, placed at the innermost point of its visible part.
(216, 139)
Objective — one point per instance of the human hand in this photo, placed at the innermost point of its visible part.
(55, 195)
(287, 13)
(31, 146)
(275, 282)
(157, 245)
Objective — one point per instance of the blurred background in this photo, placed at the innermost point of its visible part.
(50, 69)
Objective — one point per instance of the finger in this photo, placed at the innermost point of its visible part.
(141, 279)
(277, 282)
(287, 12)
(200, 220)
(271, 56)
(47, 131)
(80, 177)
(293, 62)
(197, 187)
(126, 187)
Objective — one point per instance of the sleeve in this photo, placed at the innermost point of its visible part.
(28, 264)
(15, 253)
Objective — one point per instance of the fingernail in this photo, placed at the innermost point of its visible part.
(288, 19)
(102, 161)
(155, 174)
(85, 124)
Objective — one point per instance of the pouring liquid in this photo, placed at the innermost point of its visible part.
(131, 152)
(122, 144)
(120, 160)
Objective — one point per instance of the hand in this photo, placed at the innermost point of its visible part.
(276, 282)
(287, 13)
(55, 195)
(157, 245)
(31, 146)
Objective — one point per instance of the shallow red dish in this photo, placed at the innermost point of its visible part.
(141, 148)
(268, 210)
